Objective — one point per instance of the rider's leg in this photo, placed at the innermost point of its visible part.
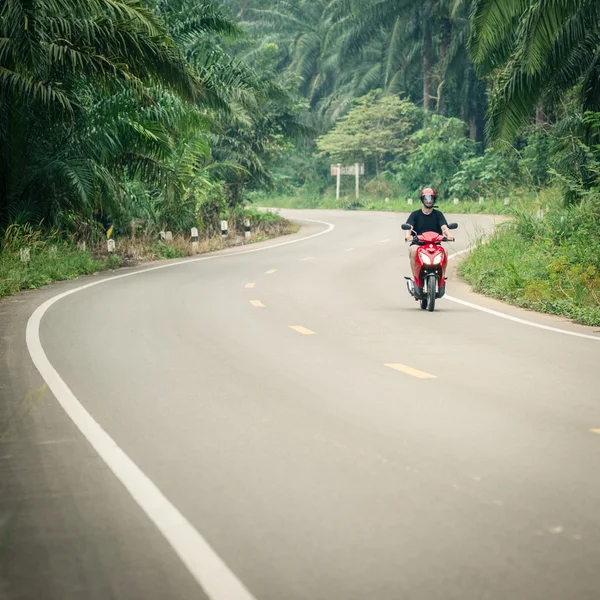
(412, 253)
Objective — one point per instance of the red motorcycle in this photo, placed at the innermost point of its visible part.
(432, 260)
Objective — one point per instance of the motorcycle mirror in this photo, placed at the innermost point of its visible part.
(452, 225)
(406, 227)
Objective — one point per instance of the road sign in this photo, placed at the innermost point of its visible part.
(347, 170)
(338, 170)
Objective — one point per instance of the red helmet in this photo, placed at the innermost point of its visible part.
(428, 197)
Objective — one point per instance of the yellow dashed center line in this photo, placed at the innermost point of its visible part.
(349, 249)
(595, 431)
(302, 330)
(249, 286)
(270, 272)
(410, 371)
(257, 303)
(384, 241)
(308, 258)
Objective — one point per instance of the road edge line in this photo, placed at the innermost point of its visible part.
(207, 568)
(502, 315)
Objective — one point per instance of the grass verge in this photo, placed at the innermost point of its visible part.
(518, 200)
(46, 266)
(550, 265)
(53, 259)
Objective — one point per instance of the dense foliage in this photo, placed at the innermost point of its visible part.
(121, 116)
(519, 76)
(121, 110)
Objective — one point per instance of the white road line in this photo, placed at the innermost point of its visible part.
(201, 560)
(502, 315)
(207, 568)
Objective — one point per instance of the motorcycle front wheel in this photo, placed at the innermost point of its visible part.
(430, 293)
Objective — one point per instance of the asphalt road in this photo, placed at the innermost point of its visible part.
(291, 412)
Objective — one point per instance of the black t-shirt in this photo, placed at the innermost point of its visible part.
(421, 222)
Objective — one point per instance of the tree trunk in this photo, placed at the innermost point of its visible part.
(477, 116)
(446, 37)
(539, 115)
(474, 128)
(4, 172)
(427, 55)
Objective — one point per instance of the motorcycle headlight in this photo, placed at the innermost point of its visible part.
(425, 258)
(438, 259)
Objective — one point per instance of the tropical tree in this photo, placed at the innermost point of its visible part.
(534, 51)
(300, 31)
(57, 57)
(249, 109)
(377, 130)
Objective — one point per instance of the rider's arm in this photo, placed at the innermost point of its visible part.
(447, 233)
(444, 225)
(410, 221)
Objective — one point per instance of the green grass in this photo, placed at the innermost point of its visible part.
(518, 199)
(531, 265)
(168, 251)
(53, 259)
(46, 267)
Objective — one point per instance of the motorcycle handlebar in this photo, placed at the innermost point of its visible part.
(419, 242)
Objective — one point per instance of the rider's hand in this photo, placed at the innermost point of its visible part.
(408, 239)
(450, 238)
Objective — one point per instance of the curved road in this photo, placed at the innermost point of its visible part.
(291, 412)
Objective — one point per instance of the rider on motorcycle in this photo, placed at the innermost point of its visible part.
(425, 219)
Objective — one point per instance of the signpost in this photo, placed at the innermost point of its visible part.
(338, 170)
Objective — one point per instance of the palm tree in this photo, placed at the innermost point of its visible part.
(411, 25)
(248, 107)
(425, 52)
(51, 52)
(300, 29)
(198, 28)
(534, 51)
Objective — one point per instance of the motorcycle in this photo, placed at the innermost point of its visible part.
(432, 260)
